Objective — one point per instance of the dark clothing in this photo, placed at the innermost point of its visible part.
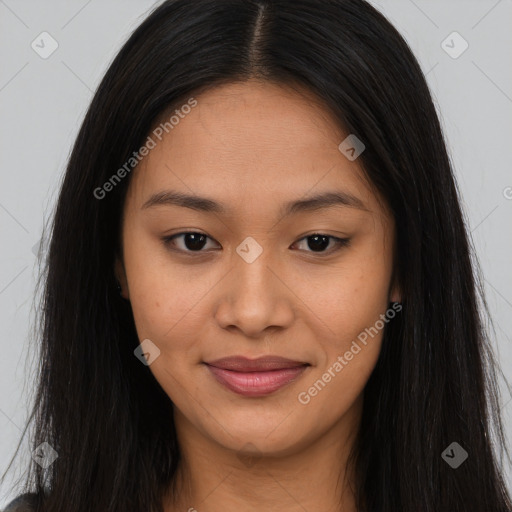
(23, 503)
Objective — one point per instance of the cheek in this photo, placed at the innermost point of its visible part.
(353, 304)
(160, 293)
(356, 320)
(355, 316)
(165, 308)
(336, 388)
(351, 297)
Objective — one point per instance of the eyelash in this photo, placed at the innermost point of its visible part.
(341, 242)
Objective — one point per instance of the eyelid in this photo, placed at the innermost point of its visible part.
(169, 239)
(341, 243)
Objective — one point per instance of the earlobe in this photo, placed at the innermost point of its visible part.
(120, 275)
(396, 297)
(396, 294)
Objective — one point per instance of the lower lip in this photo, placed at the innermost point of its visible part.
(256, 383)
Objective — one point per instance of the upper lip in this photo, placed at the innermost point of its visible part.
(265, 363)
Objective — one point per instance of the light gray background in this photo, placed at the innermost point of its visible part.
(42, 103)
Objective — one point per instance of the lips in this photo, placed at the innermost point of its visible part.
(255, 377)
(265, 363)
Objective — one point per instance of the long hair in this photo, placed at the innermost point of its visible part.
(104, 413)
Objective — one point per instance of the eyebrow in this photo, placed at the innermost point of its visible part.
(203, 204)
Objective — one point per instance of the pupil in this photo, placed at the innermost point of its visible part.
(192, 241)
(317, 245)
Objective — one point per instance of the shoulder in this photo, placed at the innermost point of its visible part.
(23, 503)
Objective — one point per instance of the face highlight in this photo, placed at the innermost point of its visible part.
(247, 232)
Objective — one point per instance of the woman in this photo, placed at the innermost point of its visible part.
(259, 291)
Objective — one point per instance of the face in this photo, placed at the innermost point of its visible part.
(259, 277)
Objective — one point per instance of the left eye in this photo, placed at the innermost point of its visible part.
(195, 242)
(318, 242)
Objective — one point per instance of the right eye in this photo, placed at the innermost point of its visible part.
(193, 241)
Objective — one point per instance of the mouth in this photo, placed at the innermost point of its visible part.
(255, 377)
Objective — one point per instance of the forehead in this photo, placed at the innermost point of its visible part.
(247, 144)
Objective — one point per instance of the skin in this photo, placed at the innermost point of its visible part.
(252, 147)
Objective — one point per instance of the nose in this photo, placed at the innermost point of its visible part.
(255, 298)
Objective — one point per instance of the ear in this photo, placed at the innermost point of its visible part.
(120, 274)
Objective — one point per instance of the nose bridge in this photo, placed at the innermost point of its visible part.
(252, 268)
(254, 282)
(255, 298)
